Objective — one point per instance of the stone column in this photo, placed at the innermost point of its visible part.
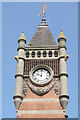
(63, 73)
(19, 74)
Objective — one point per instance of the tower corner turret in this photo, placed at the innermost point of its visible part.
(19, 74)
(63, 72)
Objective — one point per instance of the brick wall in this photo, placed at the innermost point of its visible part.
(41, 105)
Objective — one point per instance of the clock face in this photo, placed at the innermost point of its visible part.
(41, 75)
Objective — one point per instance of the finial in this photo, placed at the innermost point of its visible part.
(22, 37)
(44, 9)
(61, 35)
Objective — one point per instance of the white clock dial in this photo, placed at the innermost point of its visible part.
(41, 75)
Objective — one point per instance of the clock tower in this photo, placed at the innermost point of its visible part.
(41, 78)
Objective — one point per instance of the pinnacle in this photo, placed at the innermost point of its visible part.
(22, 36)
(61, 35)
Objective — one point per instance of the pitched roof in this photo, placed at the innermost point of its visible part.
(43, 36)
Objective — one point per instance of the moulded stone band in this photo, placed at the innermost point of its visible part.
(18, 75)
(61, 74)
(21, 40)
(61, 38)
(61, 57)
(20, 57)
(17, 96)
(41, 112)
(64, 95)
(41, 48)
(62, 47)
(55, 76)
(26, 76)
(41, 100)
(21, 48)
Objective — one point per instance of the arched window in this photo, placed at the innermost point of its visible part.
(33, 54)
(50, 53)
(27, 54)
(56, 53)
(44, 53)
(39, 54)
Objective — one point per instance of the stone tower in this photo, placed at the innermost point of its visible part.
(41, 78)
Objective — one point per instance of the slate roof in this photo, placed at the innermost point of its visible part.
(43, 36)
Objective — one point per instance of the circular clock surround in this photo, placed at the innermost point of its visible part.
(41, 75)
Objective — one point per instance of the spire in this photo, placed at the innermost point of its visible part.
(22, 37)
(61, 35)
(43, 36)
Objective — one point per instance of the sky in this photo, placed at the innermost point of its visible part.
(18, 17)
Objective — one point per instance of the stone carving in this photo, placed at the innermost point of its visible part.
(25, 90)
(17, 58)
(56, 87)
(40, 90)
(66, 57)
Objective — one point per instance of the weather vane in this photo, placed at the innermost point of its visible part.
(43, 10)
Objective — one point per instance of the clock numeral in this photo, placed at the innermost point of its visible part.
(41, 75)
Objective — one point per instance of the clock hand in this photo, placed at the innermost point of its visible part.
(41, 73)
(38, 74)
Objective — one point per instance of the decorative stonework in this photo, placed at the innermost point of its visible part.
(40, 90)
(56, 89)
(41, 54)
(25, 90)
